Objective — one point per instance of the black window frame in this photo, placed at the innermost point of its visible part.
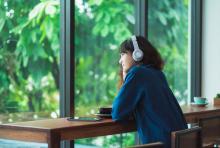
(67, 66)
(196, 49)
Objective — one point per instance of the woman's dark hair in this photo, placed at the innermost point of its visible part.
(151, 55)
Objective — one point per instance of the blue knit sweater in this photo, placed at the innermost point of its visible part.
(146, 96)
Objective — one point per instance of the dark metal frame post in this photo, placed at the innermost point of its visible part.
(196, 49)
(67, 61)
(141, 15)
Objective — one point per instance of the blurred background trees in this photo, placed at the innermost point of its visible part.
(29, 47)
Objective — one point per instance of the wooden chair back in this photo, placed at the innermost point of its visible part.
(150, 145)
(190, 138)
(210, 129)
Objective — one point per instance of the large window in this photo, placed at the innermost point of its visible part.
(29, 60)
(168, 30)
(29, 56)
(100, 26)
(99, 29)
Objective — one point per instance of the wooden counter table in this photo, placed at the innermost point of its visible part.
(52, 131)
(192, 113)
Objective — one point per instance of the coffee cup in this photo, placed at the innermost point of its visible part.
(105, 110)
(200, 100)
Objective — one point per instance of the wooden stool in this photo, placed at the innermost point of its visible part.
(188, 138)
(210, 130)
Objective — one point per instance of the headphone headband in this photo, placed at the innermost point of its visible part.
(134, 41)
(137, 53)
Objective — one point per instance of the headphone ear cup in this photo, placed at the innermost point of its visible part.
(137, 55)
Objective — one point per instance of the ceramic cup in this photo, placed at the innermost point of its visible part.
(105, 110)
(200, 100)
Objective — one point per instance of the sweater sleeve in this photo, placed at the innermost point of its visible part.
(127, 98)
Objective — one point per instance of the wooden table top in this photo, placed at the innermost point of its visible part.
(53, 124)
(193, 109)
(63, 123)
(39, 130)
(54, 130)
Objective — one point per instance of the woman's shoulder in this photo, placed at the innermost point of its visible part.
(134, 73)
(146, 71)
(135, 69)
(141, 69)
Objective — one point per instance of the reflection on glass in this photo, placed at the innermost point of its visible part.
(100, 26)
(29, 60)
(168, 25)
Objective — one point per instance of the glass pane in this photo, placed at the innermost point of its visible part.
(110, 141)
(100, 26)
(20, 144)
(168, 31)
(29, 60)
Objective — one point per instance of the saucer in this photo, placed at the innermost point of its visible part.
(200, 104)
(103, 115)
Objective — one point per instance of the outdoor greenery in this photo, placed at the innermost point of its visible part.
(217, 96)
(29, 56)
(168, 31)
(99, 29)
(30, 46)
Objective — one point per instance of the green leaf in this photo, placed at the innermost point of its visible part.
(33, 35)
(130, 18)
(96, 29)
(43, 32)
(25, 61)
(38, 53)
(107, 18)
(99, 16)
(50, 10)
(37, 9)
(2, 20)
(38, 69)
(105, 31)
(18, 29)
(48, 25)
(95, 2)
(162, 18)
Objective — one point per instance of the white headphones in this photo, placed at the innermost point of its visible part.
(137, 54)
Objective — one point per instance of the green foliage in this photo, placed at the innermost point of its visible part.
(104, 27)
(29, 47)
(217, 96)
(114, 141)
(168, 31)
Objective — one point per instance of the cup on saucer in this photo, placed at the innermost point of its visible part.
(105, 110)
(200, 100)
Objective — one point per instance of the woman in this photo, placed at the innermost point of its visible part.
(145, 93)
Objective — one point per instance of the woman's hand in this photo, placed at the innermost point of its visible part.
(124, 75)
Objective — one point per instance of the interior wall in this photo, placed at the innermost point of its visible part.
(211, 49)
